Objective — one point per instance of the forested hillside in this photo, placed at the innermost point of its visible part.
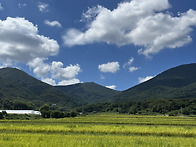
(177, 82)
(172, 91)
(17, 85)
(89, 92)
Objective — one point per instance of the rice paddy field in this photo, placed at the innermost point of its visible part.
(103, 130)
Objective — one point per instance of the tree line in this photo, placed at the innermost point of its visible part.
(154, 106)
(145, 107)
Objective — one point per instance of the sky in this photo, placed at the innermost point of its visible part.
(114, 43)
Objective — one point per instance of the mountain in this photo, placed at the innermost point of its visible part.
(89, 92)
(16, 84)
(177, 82)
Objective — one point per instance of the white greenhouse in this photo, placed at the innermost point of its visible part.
(22, 112)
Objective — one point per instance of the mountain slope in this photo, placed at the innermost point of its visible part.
(16, 84)
(177, 82)
(89, 92)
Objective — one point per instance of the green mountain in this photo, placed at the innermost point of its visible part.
(89, 92)
(177, 82)
(18, 85)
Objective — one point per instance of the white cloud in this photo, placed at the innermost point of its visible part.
(40, 68)
(128, 23)
(129, 64)
(52, 23)
(141, 80)
(111, 87)
(49, 81)
(166, 32)
(43, 7)
(20, 42)
(1, 8)
(69, 82)
(69, 72)
(132, 69)
(50, 73)
(112, 67)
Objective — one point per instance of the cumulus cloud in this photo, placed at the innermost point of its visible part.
(111, 87)
(20, 42)
(43, 7)
(58, 72)
(129, 64)
(50, 73)
(112, 67)
(52, 23)
(128, 23)
(40, 68)
(141, 80)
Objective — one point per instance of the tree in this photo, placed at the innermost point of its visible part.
(45, 111)
(57, 114)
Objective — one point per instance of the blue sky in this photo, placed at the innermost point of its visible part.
(115, 43)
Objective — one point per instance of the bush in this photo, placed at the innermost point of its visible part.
(73, 114)
(57, 114)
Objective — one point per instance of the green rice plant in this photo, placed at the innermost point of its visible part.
(159, 130)
(100, 130)
(75, 140)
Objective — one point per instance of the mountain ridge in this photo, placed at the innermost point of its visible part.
(176, 82)
(16, 84)
(89, 92)
(167, 84)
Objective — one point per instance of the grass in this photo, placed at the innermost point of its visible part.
(100, 130)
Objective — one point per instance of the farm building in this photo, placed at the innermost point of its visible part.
(22, 112)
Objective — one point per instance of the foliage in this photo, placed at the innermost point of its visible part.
(57, 114)
(150, 106)
(17, 105)
(48, 113)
